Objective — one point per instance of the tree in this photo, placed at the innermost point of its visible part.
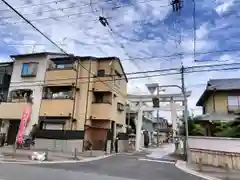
(194, 129)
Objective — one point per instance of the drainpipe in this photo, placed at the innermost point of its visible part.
(214, 106)
(75, 93)
(86, 108)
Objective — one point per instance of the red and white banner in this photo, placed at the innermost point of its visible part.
(25, 118)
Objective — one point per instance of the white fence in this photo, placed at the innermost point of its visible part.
(231, 145)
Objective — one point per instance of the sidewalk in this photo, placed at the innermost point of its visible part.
(208, 172)
(7, 154)
(161, 152)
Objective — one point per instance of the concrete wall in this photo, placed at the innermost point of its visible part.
(59, 145)
(216, 151)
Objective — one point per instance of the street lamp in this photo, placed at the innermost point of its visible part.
(153, 87)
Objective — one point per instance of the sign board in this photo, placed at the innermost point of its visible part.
(23, 123)
(152, 87)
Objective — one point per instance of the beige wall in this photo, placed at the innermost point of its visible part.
(110, 111)
(221, 103)
(215, 151)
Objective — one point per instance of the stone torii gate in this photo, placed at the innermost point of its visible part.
(140, 108)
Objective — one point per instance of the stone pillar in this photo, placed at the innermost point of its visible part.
(173, 117)
(139, 127)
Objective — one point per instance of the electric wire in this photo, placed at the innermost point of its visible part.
(34, 27)
(44, 83)
(167, 71)
(194, 30)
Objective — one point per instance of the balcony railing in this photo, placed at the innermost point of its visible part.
(61, 76)
(102, 111)
(56, 107)
(103, 84)
(11, 110)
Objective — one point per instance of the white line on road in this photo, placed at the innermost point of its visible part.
(159, 161)
(56, 162)
(182, 165)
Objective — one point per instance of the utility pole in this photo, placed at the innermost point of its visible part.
(158, 124)
(185, 115)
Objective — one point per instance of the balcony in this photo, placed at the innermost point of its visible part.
(102, 111)
(11, 110)
(60, 76)
(103, 84)
(56, 107)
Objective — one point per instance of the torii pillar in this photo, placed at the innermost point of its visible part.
(139, 127)
(173, 117)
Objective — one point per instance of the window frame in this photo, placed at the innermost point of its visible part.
(235, 107)
(101, 71)
(29, 75)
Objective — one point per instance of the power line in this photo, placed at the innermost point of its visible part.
(75, 14)
(33, 5)
(53, 42)
(164, 72)
(134, 78)
(79, 5)
(194, 30)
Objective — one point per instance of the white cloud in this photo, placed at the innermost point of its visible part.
(144, 29)
(224, 6)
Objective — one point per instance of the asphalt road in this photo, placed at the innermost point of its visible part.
(113, 168)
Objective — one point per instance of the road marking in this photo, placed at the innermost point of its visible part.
(182, 166)
(56, 162)
(159, 161)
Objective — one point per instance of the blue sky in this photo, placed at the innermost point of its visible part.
(146, 28)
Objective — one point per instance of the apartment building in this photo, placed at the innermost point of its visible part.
(5, 78)
(83, 94)
(28, 76)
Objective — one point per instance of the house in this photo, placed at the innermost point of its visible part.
(220, 100)
(5, 78)
(162, 126)
(71, 95)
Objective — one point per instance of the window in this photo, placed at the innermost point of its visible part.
(1, 79)
(120, 107)
(101, 97)
(29, 69)
(101, 73)
(58, 92)
(20, 95)
(233, 103)
(64, 66)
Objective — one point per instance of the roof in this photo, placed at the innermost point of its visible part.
(97, 59)
(214, 85)
(81, 57)
(4, 64)
(161, 119)
(36, 54)
(217, 117)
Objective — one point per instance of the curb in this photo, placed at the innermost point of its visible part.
(182, 165)
(55, 162)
